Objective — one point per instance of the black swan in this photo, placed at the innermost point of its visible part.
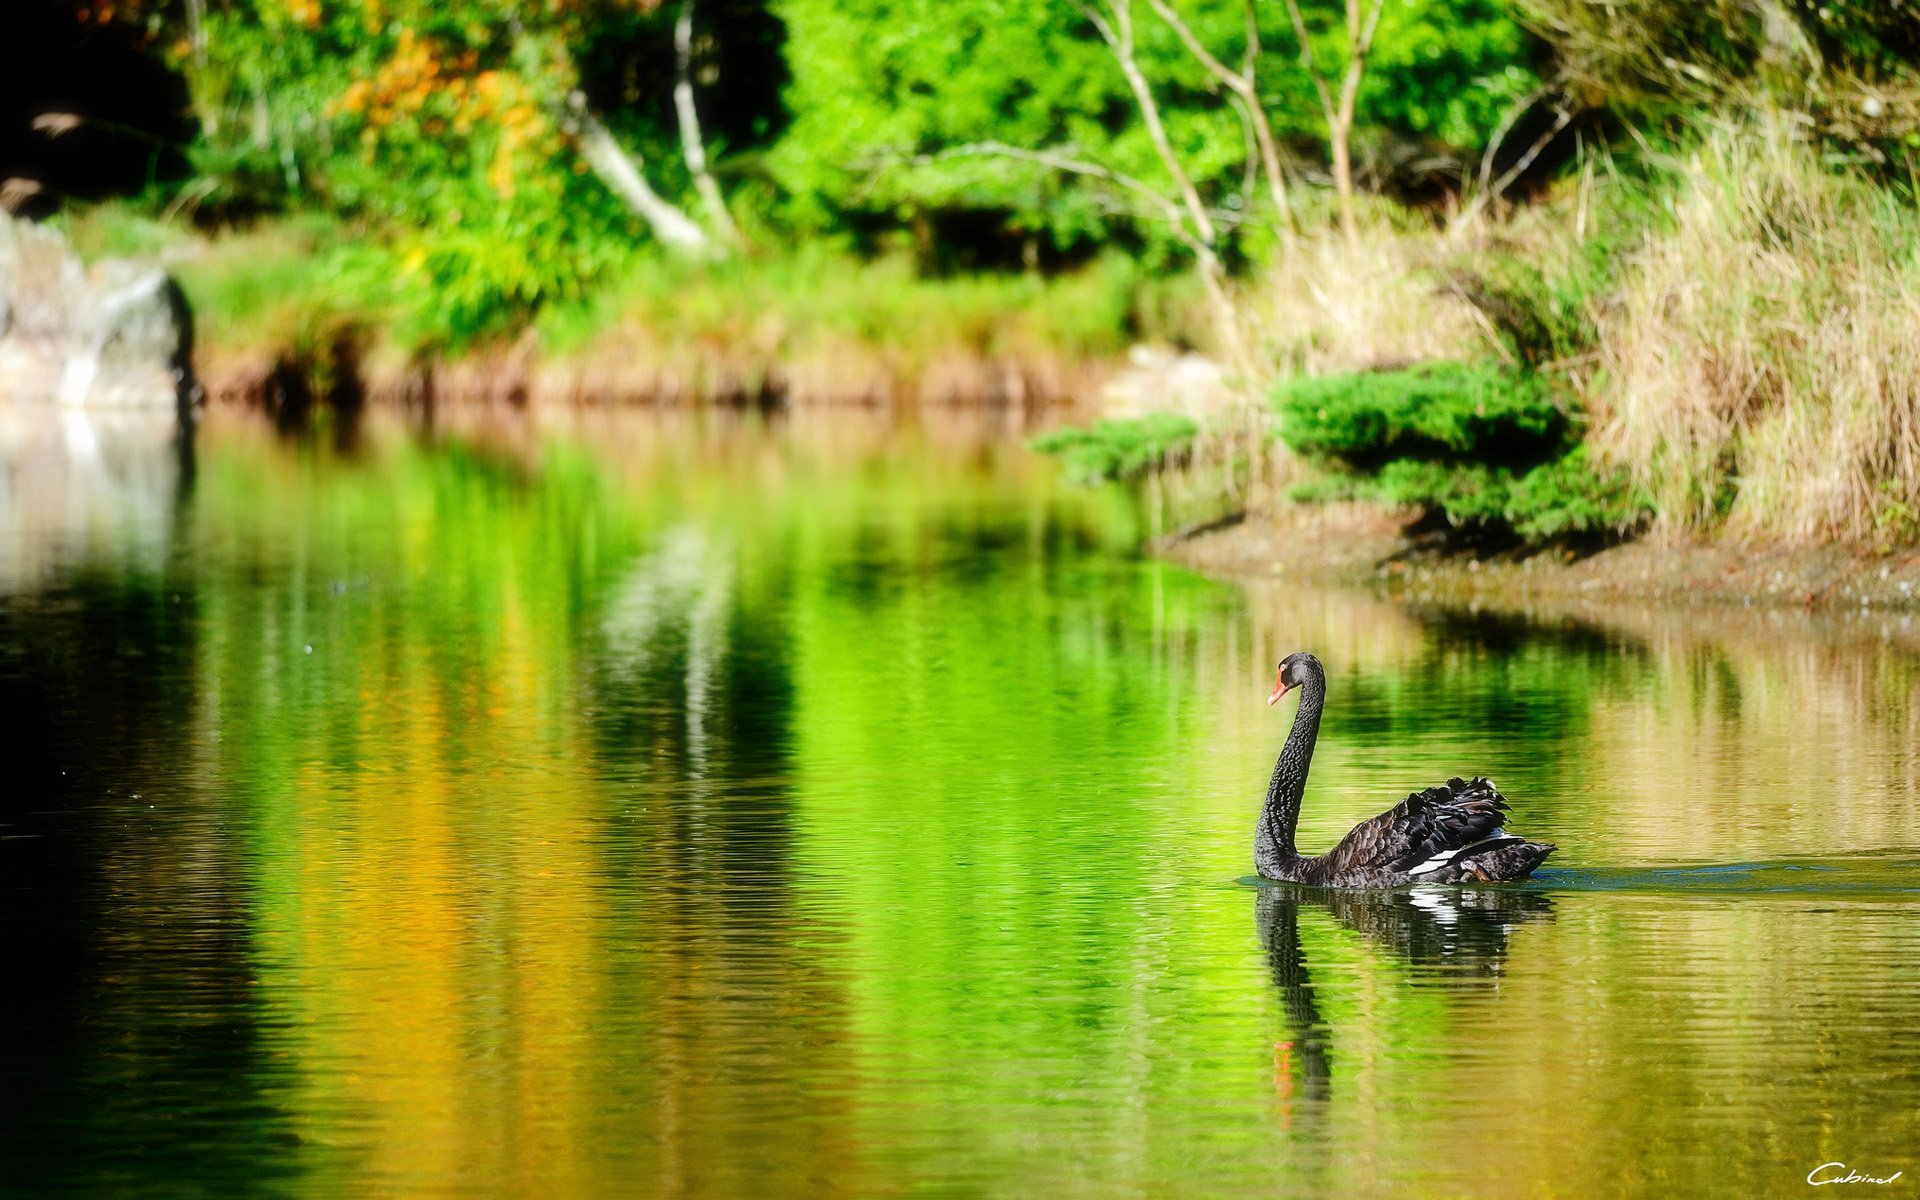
(1447, 834)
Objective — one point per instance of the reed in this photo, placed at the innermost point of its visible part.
(1759, 367)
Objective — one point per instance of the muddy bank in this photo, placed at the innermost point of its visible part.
(643, 374)
(255, 379)
(1367, 546)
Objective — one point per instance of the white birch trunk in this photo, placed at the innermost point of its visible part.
(616, 168)
(692, 144)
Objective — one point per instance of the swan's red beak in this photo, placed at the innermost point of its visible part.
(1279, 690)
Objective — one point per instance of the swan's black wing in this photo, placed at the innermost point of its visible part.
(1436, 822)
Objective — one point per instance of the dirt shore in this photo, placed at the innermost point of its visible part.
(1364, 545)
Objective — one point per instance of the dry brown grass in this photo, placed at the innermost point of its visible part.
(1377, 305)
(1754, 353)
(1760, 365)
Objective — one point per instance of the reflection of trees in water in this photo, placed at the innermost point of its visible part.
(666, 645)
(1586, 713)
(1498, 675)
(1717, 696)
(692, 715)
(134, 1041)
(720, 973)
(1454, 935)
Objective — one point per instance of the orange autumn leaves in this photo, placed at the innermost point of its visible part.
(429, 90)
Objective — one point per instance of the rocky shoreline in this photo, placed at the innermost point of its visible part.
(115, 335)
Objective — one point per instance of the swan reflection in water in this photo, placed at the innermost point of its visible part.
(1458, 935)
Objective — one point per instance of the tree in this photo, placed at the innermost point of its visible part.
(1362, 24)
(412, 105)
(928, 77)
(1245, 86)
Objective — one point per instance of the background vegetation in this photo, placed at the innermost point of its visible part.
(1690, 225)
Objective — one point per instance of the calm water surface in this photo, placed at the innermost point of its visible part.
(702, 807)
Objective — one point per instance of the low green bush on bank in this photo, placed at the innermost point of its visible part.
(1122, 449)
(1485, 449)
(1489, 452)
(1429, 412)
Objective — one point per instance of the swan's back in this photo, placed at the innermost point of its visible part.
(1449, 833)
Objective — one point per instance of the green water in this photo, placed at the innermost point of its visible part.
(672, 806)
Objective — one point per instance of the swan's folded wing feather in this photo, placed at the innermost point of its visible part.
(1450, 816)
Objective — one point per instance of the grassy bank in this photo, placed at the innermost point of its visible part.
(815, 324)
(1715, 336)
(1759, 369)
(1721, 339)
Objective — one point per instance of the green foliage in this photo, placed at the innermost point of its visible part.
(1431, 411)
(439, 129)
(284, 285)
(882, 88)
(1575, 496)
(427, 114)
(1567, 498)
(465, 285)
(1120, 450)
(1485, 447)
(434, 130)
(439, 289)
(1472, 495)
(818, 296)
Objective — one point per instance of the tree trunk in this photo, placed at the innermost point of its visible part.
(616, 168)
(1270, 162)
(1244, 85)
(691, 142)
(1341, 137)
(1205, 237)
(1117, 33)
(1360, 30)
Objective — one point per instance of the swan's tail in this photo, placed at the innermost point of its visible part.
(1506, 858)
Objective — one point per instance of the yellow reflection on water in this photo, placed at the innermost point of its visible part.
(712, 805)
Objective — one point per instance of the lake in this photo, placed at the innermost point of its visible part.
(710, 805)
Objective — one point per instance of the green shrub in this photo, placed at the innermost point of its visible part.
(1565, 499)
(1434, 411)
(1120, 449)
(1486, 448)
(1471, 495)
(1575, 497)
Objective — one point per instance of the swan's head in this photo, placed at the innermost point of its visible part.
(1294, 670)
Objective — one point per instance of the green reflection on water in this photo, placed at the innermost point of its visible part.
(679, 806)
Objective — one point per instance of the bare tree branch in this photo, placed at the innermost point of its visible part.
(1562, 117)
(1243, 85)
(1192, 222)
(1159, 206)
(1196, 47)
(1067, 163)
(1363, 22)
(1500, 132)
(1307, 64)
(1119, 35)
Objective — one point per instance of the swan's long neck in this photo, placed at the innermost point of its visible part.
(1273, 844)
